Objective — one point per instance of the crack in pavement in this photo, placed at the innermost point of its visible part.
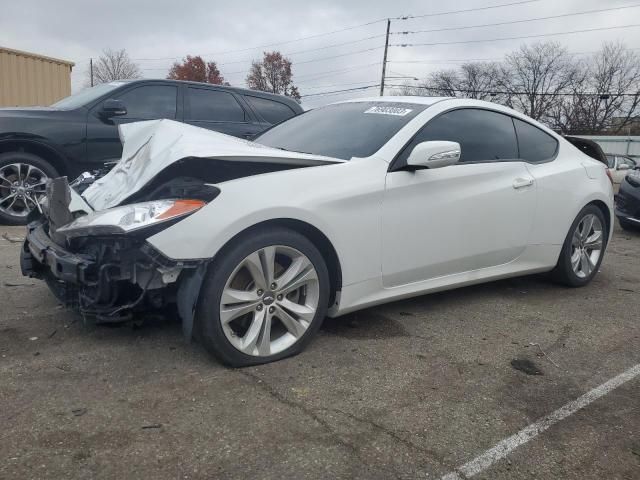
(271, 391)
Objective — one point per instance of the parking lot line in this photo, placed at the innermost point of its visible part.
(506, 446)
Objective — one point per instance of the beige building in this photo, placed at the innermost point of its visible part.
(28, 79)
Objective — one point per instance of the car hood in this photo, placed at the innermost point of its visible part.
(152, 146)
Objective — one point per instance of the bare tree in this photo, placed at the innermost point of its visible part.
(535, 77)
(113, 65)
(607, 97)
(473, 80)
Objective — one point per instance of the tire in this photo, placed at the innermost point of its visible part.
(231, 325)
(17, 199)
(576, 246)
(627, 225)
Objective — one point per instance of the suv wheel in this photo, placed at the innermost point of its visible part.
(23, 178)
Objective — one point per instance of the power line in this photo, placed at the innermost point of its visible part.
(497, 92)
(437, 14)
(340, 91)
(586, 12)
(512, 38)
(340, 71)
(406, 17)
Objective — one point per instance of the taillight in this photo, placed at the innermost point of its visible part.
(609, 175)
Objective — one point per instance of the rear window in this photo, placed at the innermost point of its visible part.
(534, 145)
(272, 111)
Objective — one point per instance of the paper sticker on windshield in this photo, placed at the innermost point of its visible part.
(384, 110)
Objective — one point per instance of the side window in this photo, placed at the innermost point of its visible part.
(534, 144)
(483, 135)
(611, 161)
(213, 106)
(273, 112)
(150, 102)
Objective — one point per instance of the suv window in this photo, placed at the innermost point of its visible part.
(150, 102)
(534, 145)
(483, 135)
(213, 106)
(627, 161)
(611, 161)
(272, 111)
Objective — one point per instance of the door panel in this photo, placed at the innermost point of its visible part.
(455, 219)
(146, 102)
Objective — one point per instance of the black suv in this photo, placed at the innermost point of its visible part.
(80, 132)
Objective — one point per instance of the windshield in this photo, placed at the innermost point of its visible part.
(344, 130)
(85, 96)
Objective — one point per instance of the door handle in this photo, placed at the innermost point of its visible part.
(522, 182)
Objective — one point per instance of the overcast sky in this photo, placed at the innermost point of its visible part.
(157, 32)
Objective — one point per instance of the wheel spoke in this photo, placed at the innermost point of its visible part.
(268, 262)
(594, 242)
(299, 310)
(291, 324)
(308, 276)
(254, 265)
(8, 197)
(575, 259)
(252, 335)
(231, 296)
(5, 179)
(585, 264)
(228, 314)
(587, 225)
(264, 341)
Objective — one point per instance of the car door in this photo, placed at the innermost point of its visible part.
(144, 102)
(218, 110)
(465, 217)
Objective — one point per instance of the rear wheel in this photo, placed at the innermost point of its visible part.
(583, 249)
(23, 178)
(264, 298)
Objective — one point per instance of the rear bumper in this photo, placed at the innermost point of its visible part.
(40, 255)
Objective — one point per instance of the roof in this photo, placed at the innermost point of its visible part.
(239, 90)
(401, 99)
(36, 56)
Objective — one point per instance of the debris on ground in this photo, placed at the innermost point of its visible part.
(153, 425)
(13, 284)
(78, 412)
(543, 354)
(12, 239)
(526, 366)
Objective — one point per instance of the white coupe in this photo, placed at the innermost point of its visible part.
(346, 206)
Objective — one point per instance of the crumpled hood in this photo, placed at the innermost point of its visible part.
(151, 146)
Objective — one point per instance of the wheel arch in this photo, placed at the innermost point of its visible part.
(38, 148)
(312, 233)
(605, 212)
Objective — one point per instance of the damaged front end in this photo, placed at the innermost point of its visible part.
(100, 263)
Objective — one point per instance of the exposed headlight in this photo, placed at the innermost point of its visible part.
(132, 217)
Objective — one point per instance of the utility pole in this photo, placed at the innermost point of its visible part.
(91, 70)
(384, 58)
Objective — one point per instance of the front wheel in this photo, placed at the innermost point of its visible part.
(583, 249)
(263, 299)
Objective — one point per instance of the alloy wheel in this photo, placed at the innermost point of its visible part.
(586, 245)
(21, 187)
(269, 300)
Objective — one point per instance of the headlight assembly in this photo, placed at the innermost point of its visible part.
(129, 218)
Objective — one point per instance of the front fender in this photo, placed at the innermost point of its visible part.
(342, 200)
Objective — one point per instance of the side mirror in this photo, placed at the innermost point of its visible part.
(623, 166)
(434, 154)
(113, 108)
